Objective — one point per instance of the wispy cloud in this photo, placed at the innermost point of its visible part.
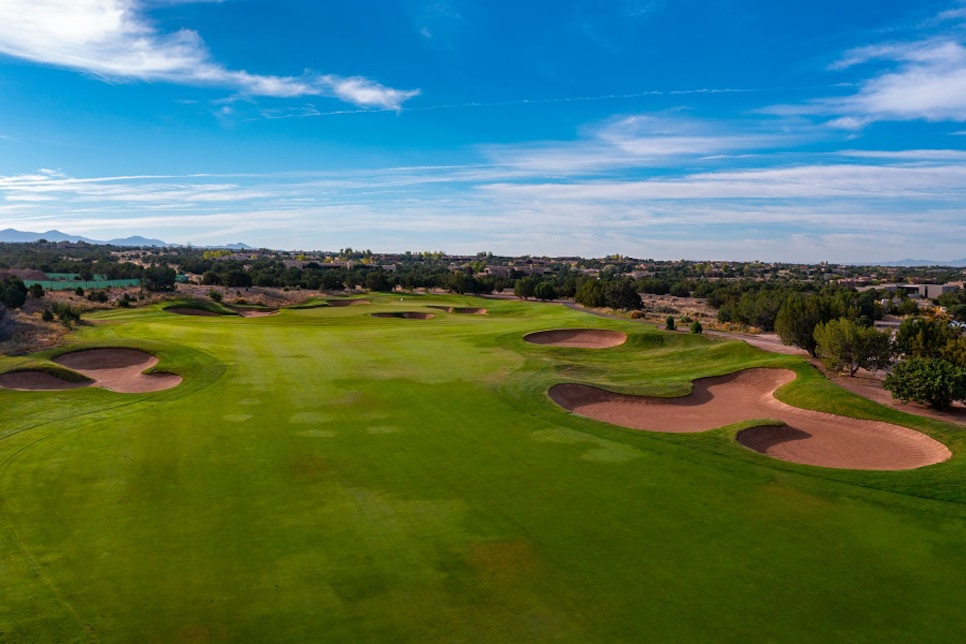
(929, 82)
(860, 205)
(922, 78)
(114, 40)
(640, 141)
(311, 110)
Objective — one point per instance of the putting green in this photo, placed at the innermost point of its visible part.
(324, 475)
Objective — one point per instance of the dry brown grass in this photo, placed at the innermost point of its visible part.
(31, 333)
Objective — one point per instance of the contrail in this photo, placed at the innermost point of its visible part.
(550, 101)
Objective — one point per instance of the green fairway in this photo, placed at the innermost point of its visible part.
(325, 475)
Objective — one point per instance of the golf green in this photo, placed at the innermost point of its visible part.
(326, 475)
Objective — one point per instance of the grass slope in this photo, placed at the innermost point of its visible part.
(325, 475)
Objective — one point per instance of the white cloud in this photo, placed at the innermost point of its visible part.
(838, 212)
(908, 155)
(920, 79)
(809, 182)
(114, 40)
(637, 141)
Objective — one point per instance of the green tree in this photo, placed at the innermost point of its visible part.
(843, 345)
(622, 295)
(159, 278)
(955, 351)
(377, 281)
(590, 293)
(797, 318)
(545, 291)
(921, 337)
(460, 282)
(696, 327)
(524, 287)
(36, 291)
(13, 293)
(669, 323)
(930, 381)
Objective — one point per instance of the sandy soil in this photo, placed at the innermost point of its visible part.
(809, 437)
(119, 370)
(406, 315)
(578, 338)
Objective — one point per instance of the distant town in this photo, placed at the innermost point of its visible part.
(40, 276)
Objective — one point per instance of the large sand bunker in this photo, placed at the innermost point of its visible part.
(405, 315)
(808, 437)
(119, 370)
(347, 302)
(465, 310)
(578, 338)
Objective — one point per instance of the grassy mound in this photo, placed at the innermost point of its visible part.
(199, 307)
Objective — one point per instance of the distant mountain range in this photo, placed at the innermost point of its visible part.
(10, 235)
(926, 262)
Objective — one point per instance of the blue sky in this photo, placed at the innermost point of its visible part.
(713, 129)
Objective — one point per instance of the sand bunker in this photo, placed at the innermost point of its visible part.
(808, 437)
(347, 302)
(466, 310)
(578, 338)
(119, 370)
(406, 315)
(254, 313)
(36, 380)
(184, 310)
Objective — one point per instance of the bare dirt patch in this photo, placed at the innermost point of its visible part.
(119, 370)
(808, 437)
(405, 315)
(578, 338)
(347, 302)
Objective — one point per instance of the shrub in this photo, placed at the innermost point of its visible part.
(669, 323)
(696, 327)
(6, 323)
(66, 313)
(13, 293)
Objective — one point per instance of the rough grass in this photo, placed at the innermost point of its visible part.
(323, 475)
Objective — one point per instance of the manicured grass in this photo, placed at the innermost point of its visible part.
(323, 475)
